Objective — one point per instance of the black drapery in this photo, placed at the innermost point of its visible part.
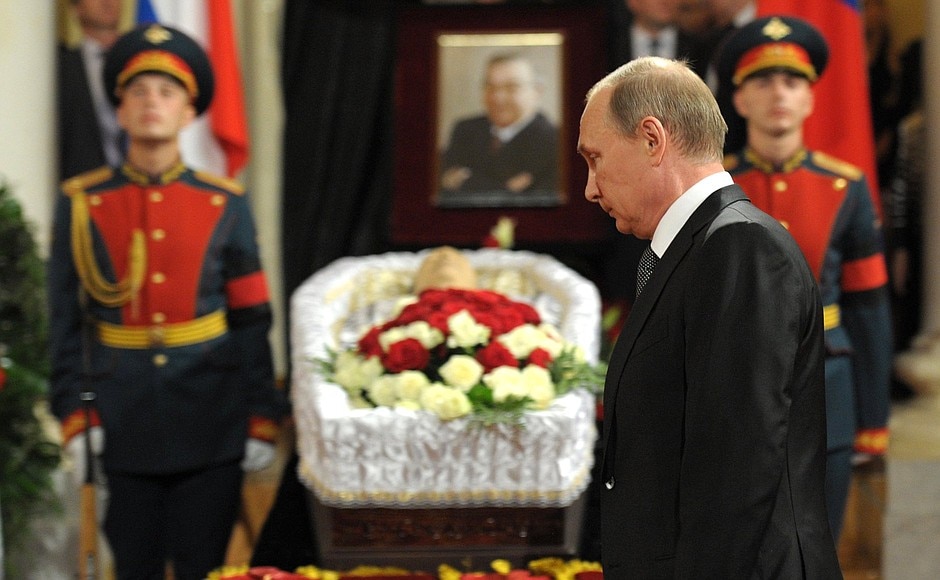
(337, 77)
(337, 74)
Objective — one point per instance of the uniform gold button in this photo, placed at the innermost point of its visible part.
(158, 317)
(840, 184)
(156, 196)
(95, 200)
(158, 278)
(780, 185)
(218, 200)
(157, 234)
(160, 360)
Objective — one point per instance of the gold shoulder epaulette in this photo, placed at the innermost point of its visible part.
(83, 181)
(837, 166)
(225, 183)
(731, 161)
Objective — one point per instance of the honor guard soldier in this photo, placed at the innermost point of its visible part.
(160, 316)
(826, 204)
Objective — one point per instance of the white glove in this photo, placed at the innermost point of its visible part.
(258, 455)
(75, 451)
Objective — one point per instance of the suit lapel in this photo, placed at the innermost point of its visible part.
(677, 251)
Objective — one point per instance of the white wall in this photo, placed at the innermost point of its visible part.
(27, 109)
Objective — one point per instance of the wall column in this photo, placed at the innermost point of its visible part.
(912, 511)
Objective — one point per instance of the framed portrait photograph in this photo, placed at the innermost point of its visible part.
(499, 119)
(487, 106)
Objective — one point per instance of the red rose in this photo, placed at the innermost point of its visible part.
(405, 355)
(369, 343)
(3, 378)
(495, 355)
(540, 357)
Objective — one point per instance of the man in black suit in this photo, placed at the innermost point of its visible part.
(649, 28)
(714, 426)
(509, 156)
(88, 132)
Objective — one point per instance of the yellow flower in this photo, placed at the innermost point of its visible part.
(445, 572)
(501, 566)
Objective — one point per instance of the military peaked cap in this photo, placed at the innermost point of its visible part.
(773, 43)
(162, 49)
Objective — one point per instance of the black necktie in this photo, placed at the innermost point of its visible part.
(643, 272)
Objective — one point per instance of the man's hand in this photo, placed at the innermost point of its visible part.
(454, 177)
(519, 182)
(258, 455)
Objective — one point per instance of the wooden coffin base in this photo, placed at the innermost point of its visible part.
(421, 539)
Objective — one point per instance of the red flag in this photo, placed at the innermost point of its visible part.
(217, 141)
(228, 109)
(841, 123)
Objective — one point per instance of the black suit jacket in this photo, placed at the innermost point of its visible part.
(715, 428)
(80, 147)
(534, 150)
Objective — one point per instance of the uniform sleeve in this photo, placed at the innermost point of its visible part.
(65, 326)
(249, 319)
(865, 312)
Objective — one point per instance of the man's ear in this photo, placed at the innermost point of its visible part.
(653, 135)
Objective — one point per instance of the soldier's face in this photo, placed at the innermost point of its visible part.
(775, 104)
(154, 107)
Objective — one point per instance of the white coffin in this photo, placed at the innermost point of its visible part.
(409, 459)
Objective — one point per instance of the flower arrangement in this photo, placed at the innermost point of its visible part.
(463, 352)
(541, 569)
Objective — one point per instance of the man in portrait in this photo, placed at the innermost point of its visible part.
(509, 155)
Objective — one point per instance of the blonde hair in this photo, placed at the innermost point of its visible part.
(669, 91)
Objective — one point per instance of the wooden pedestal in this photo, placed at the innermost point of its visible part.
(466, 538)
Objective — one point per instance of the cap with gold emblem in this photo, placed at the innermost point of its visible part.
(162, 49)
(773, 43)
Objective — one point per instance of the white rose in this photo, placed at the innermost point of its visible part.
(352, 372)
(522, 340)
(445, 402)
(427, 335)
(538, 385)
(382, 391)
(401, 303)
(505, 382)
(553, 342)
(465, 331)
(410, 384)
(391, 336)
(461, 371)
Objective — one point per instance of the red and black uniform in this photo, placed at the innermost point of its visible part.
(826, 205)
(178, 309)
